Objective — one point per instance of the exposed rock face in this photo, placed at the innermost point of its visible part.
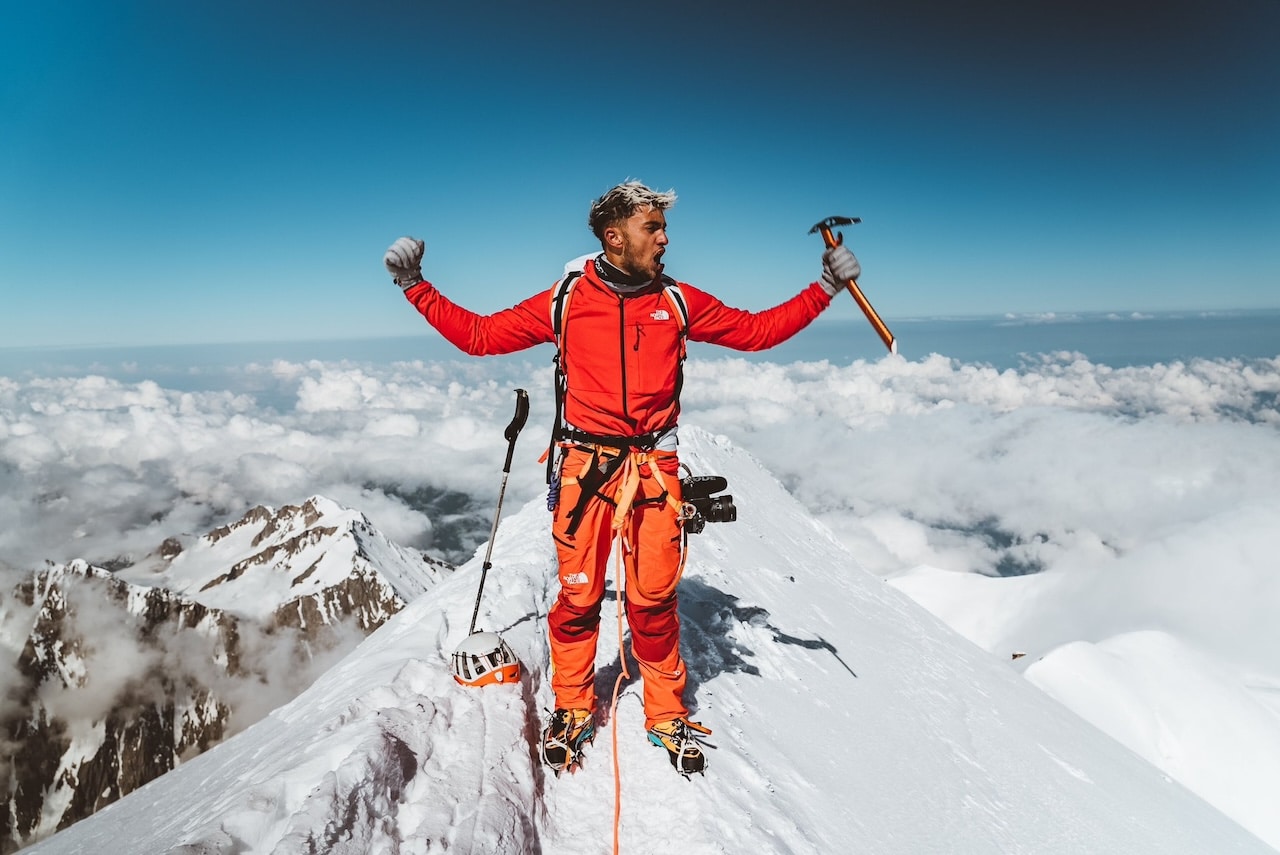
(121, 676)
(66, 756)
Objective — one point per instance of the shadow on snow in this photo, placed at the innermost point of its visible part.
(711, 647)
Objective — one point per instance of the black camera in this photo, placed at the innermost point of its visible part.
(701, 507)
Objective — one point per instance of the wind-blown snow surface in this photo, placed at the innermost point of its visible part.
(846, 718)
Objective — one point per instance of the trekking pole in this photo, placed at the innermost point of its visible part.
(863, 303)
(513, 430)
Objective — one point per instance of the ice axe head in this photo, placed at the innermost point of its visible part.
(830, 223)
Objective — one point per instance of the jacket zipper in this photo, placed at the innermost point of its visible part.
(622, 354)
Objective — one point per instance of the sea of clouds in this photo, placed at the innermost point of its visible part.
(1151, 490)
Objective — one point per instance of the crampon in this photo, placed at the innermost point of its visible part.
(681, 739)
(563, 737)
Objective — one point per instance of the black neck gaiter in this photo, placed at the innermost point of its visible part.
(620, 280)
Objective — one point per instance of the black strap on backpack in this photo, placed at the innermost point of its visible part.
(559, 305)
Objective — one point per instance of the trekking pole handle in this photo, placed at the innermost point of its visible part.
(517, 422)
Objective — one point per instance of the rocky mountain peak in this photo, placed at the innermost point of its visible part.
(123, 675)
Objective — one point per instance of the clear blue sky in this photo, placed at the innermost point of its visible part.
(224, 171)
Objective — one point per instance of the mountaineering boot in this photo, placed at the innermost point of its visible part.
(563, 738)
(680, 737)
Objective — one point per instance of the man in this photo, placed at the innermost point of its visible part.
(621, 341)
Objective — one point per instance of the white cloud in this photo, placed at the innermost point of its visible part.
(1063, 465)
(94, 467)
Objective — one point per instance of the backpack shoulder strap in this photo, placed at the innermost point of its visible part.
(560, 295)
(559, 308)
(671, 290)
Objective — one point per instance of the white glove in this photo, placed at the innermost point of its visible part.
(404, 262)
(838, 266)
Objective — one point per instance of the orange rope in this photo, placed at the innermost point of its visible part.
(637, 466)
(620, 581)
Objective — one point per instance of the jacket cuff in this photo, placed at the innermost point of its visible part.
(416, 289)
(821, 293)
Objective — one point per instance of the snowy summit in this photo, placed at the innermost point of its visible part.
(846, 718)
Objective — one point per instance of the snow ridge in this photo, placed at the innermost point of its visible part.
(846, 718)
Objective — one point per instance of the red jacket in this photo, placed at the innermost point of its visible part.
(621, 353)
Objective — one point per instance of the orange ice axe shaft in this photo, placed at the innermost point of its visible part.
(831, 240)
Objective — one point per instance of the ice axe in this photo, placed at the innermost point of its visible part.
(483, 657)
(831, 240)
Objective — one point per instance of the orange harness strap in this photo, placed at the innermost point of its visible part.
(639, 465)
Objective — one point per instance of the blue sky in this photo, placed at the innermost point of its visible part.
(233, 171)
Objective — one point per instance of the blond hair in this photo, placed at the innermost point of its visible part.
(623, 201)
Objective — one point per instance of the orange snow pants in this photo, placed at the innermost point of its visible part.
(652, 561)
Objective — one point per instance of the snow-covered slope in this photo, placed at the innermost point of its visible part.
(310, 553)
(1207, 722)
(846, 718)
(1177, 708)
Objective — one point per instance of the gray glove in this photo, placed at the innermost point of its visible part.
(404, 262)
(838, 266)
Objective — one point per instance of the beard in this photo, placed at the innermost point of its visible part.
(641, 265)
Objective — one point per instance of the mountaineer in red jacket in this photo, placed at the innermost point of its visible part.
(621, 336)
